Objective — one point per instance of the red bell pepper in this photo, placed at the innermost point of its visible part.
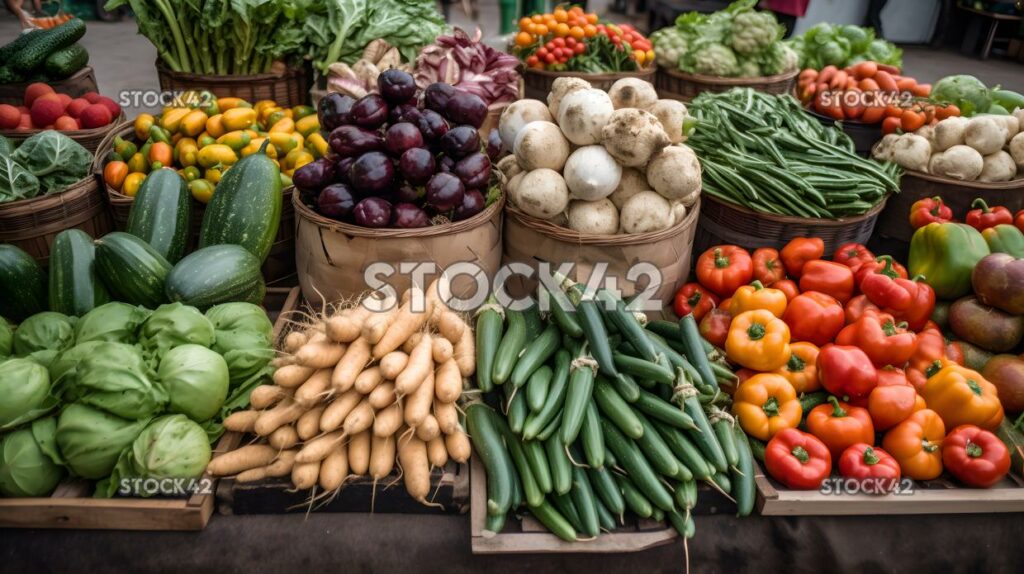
(724, 268)
(768, 268)
(983, 216)
(814, 317)
(885, 341)
(893, 400)
(855, 308)
(787, 286)
(799, 251)
(853, 255)
(828, 277)
(861, 272)
(797, 459)
(975, 456)
(932, 350)
(876, 469)
(929, 210)
(714, 327)
(846, 371)
(840, 425)
(1018, 220)
(884, 287)
(694, 298)
(918, 314)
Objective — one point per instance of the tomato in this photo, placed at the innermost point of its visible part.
(560, 42)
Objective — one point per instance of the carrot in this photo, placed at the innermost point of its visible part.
(448, 382)
(442, 350)
(872, 114)
(946, 111)
(905, 84)
(334, 469)
(382, 396)
(308, 425)
(249, 456)
(893, 111)
(382, 456)
(336, 412)
(350, 365)
(304, 475)
(866, 69)
(359, 453)
(912, 120)
(428, 429)
(809, 74)
(292, 376)
(317, 449)
(320, 355)
(417, 404)
(241, 421)
(392, 364)
(826, 74)
(280, 467)
(807, 94)
(458, 445)
(360, 419)
(922, 90)
(888, 69)
(368, 380)
(347, 325)
(447, 416)
(283, 438)
(890, 125)
(285, 412)
(377, 324)
(885, 82)
(405, 324)
(838, 81)
(421, 364)
(853, 104)
(412, 453)
(389, 419)
(437, 454)
(868, 85)
(465, 353)
(294, 340)
(315, 389)
(266, 396)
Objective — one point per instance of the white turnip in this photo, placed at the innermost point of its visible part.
(591, 173)
(517, 115)
(671, 114)
(998, 166)
(582, 114)
(1017, 150)
(985, 134)
(562, 87)
(542, 193)
(646, 212)
(632, 93)
(598, 217)
(949, 132)
(674, 172)
(958, 162)
(541, 144)
(632, 136)
(632, 182)
(912, 152)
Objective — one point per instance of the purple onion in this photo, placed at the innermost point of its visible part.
(336, 201)
(402, 136)
(473, 202)
(460, 141)
(445, 192)
(347, 141)
(371, 172)
(465, 108)
(396, 86)
(474, 170)
(436, 96)
(408, 216)
(369, 111)
(432, 125)
(372, 212)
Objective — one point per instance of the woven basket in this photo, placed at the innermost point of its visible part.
(89, 139)
(727, 223)
(288, 89)
(79, 83)
(279, 267)
(533, 241)
(677, 85)
(32, 224)
(537, 83)
(332, 257)
(864, 136)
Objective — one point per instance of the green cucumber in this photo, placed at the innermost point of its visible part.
(558, 463)
(536, 422)
(579, 394)
(643, 369)
(564, 315)
(515, 408)
(743, 474)
(604, 516)
(489, 322)
(634, 499)
(617, 410)
(22, 283)
(606, 489)
(658, 453)
(75, 287)
(511, 345)
(133, 271)
(627, 323)
(65, 62)
(489, 446)
(636, 466)
(537, 388)
(161, 213)
(32, 55)
(593, 440)
(595, 332)
(534, 450)
(652, 406)
(531, 490)
(583, 499)
(694, 350)
(535, 353)
(8, 50)
(214, 275)
(554, 521)
(684, 450)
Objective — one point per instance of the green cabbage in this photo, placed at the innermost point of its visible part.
(24, 392)
(779, 59)
(240, 317)
(243, 336)
(114, 378)
(66, 364)
(54, 158)
(91, 440)
(48, 330)
(6, 338)
(172, 325)
(749, 69)
(196, 380)
(115, 322)
(30, 464)
(967, 92)
(16, 182)
(172, 446)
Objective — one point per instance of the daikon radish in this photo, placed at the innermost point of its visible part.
(465, 353)
(283, 438)
(405, 324)
(316, 388)
(458, 445)
(285, 412)
(382, 456)
(304, 475)
(392, 364)
(411, 343)
(447, 416)
(336, 412)
(282, 361)
(360, 419)
(334, 468)
(368, 380)
(350, 365)
(308, 425)
(280, 467)
(421, 364)
(294, 341)
(437, 453)
(245, 458)
(417, 405)
(442, 350)
(359, 453)
(292, 376)
(317, 449)
(348, 325)
(448, 382)
(388, 420)
(241, 421)
(266, 396)
(382, 396)
(451, 326)
(320, 355)
(377, 324)
(428, 430)
(412, 454)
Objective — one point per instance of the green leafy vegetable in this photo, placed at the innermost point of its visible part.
(114, 322)
(91, 440)
(25, 392)
(172, 325)
(172, 446)
(6, 338)
(48, 330)
(967, 92)
(54, 158)
(196, 380)
(826, 44)
(16, 182)
(114, 378)
(30, 464)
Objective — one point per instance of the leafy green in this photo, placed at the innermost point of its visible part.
(25, 392)
(826, 44)
(196, 380)
(736, 41)
(172, 446)
(967, 92)
(54, 158)
(48, 330)
(242, 335)
(91, 440)
(6, 338)
(29, 462)
(115, 378)
(115, 322)
(16, 182)
(172, 325)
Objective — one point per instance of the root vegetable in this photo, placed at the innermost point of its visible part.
(948, 133)
(632, 136)
(998, 166)
(335, 413)
(392, 364)
(308, 425)
(671, 114)
(646, 212)
(451, 326)
(315, 389)
(1009, 124)
(562, 87)
(465, 353)
(319, 354)
(928, 133)
(347, 326)
(241, 421)
(411, 343)
(518, 114)
(437, 453)
(378, 323)
(283, 438)
(317, 449)
(447, 415)
(428, 429)
(512, 187)
(280, 467)
(245, 458)
(266, 396)
(294, 340)
(541, 145)
(984, 134)
(282, 361)
(334, 469)
(368, 380)
(285, 412)
(406, 323)
(508, 166)
(458, 445)
(442, 350)
(360, 419)
(912, 152)
(678, 212)
(674, 172)
(958, 162)
(304, 475)
(388, 421)
(292, 376)
(542, 193)
(632, 93)
(597, 217)
(1017, 150)
(632, 182)
(382, 456)
(882, 151)
(448, 382)
(359, 453)
(421, 365)
(582, 114)
(412, 454)
(591, 173)
(418, 403)
(350, 365)
(382, 396)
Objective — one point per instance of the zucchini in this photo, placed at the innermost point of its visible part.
(246, 210)
(488, 444)
(489, 322)
(39, 47)
(132, 270)
(161, 213)
(511, 345)
(75, 287)
(22, 284)
(65, 62)
(216, 274)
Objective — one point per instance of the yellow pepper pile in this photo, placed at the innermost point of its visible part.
(203, 136)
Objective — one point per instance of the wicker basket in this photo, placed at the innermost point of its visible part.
(332, 257)
(288, 89)
(279, 267)
(677, 85)
(79, 83)
(726, 223)
(89, 139)
(864, 136)
(537, 83)
(533, 241)
(32, 224)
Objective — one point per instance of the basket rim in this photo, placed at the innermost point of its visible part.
(554, 231)
(304, 212)
(25, 134)
(979, 185)
(728, 81)
(649, 71)
(809, 221)
(289, 72)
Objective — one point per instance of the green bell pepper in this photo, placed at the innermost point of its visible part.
(946, 253)
(1005, 238)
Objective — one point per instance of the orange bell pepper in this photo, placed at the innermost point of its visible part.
(758, 340)
(916, 444)
(801, 370)
(766, 404)
(757, 296)
(814, 317)
(963, 397)
(799, 251)
(893, 399)
(840, 425)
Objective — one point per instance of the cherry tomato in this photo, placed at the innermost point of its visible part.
(570, 42)
(560, 42)
(542, 52)
(549, 58)
(579, 48)
(532, 61)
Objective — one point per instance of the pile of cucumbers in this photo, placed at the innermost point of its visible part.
(586, 413)
(41, 55)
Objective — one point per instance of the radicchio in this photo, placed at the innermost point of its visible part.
(471, 66)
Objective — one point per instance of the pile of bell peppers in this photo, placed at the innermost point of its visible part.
(841, 367)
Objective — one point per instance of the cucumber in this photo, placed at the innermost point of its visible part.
(535, 354)
(14, 46)
(555, 522)
(488, 444)
(537, 388)
(616, 409)
(75, 288)
(22, 284)
(132, 270)
(65, 62)
(39, 47)
(246, 210)
(558, 465)
(555, 396)
(161, 213)
(632, 496)
(593, 440)
(583, 500)
(511, 345)
(606, 490)
(489, 323)
(637, 467)
(216, 274)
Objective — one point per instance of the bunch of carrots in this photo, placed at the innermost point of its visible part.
(871, 93)
(358, 392)
(47, 22)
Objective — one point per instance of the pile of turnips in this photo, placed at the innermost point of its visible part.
(600, 162)
(400, 158)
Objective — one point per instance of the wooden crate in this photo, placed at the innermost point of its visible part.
(938, 496)
(71, 505)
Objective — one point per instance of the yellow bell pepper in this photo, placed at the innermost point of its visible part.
(201, 189)
(757, 296)
(962, 396)
(132, 183)
(237, 119)
(193, 123)
(171, 120)
(317, 144)
(215, 155)
(142, 125)
(226, 104)
(758, 340)
(766, 404)
(215, 126)
(283, 125)
(235, 140)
